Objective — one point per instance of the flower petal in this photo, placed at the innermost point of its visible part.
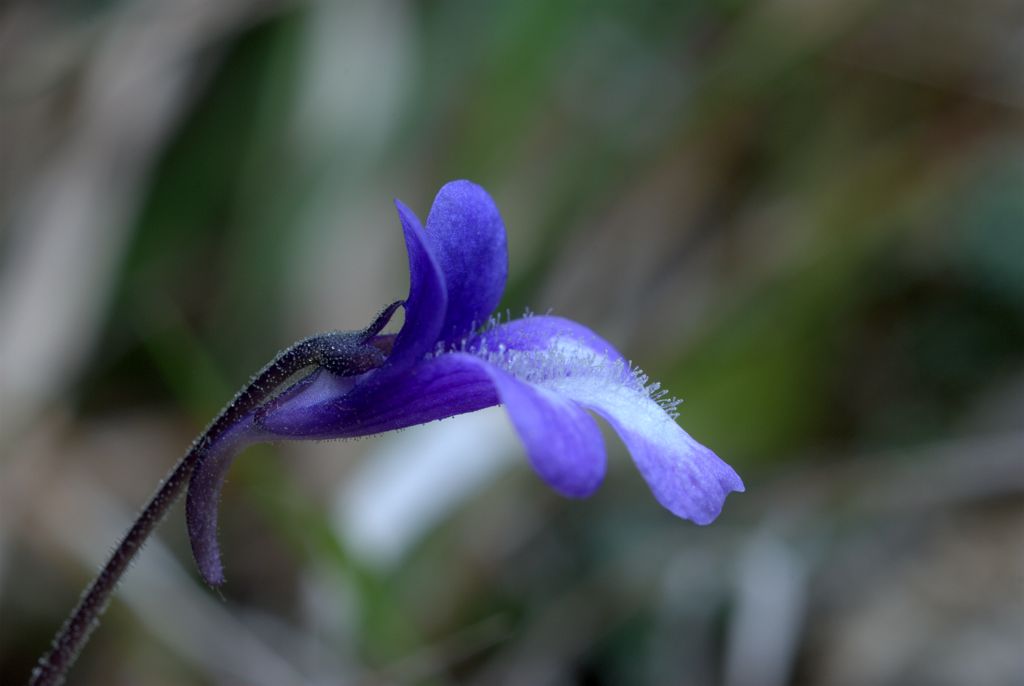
(328, 406)
(685, 477)
(468, 239)
(427, 302)
(563, 442)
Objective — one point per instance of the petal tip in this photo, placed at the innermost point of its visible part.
(574, 488)
(406, 215)
(696, 489)
(213, 574)
(462, 186)
(711, 508)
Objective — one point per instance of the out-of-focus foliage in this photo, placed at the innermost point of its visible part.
(805, 218)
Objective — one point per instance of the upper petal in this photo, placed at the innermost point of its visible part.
(427, 301)
(468, 240)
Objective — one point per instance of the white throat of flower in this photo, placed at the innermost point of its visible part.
(570, 368)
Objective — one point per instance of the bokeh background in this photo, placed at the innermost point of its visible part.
(804, 217)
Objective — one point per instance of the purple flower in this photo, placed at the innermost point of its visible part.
(450, 357)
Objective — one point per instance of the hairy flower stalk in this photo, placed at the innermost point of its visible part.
(549, 373)
(343, 353)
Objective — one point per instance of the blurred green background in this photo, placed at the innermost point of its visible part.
(806, 218)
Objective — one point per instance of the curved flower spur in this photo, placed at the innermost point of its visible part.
(450, 357)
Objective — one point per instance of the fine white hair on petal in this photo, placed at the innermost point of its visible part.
(499, 318)
(493, 322)
(564, 358)
(567, 360)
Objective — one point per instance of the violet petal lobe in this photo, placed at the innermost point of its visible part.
(563, 442)
(686, 477)
(426, 304)
(468, 238)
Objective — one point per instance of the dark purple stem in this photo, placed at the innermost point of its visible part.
(344, 353)
(73, 635)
